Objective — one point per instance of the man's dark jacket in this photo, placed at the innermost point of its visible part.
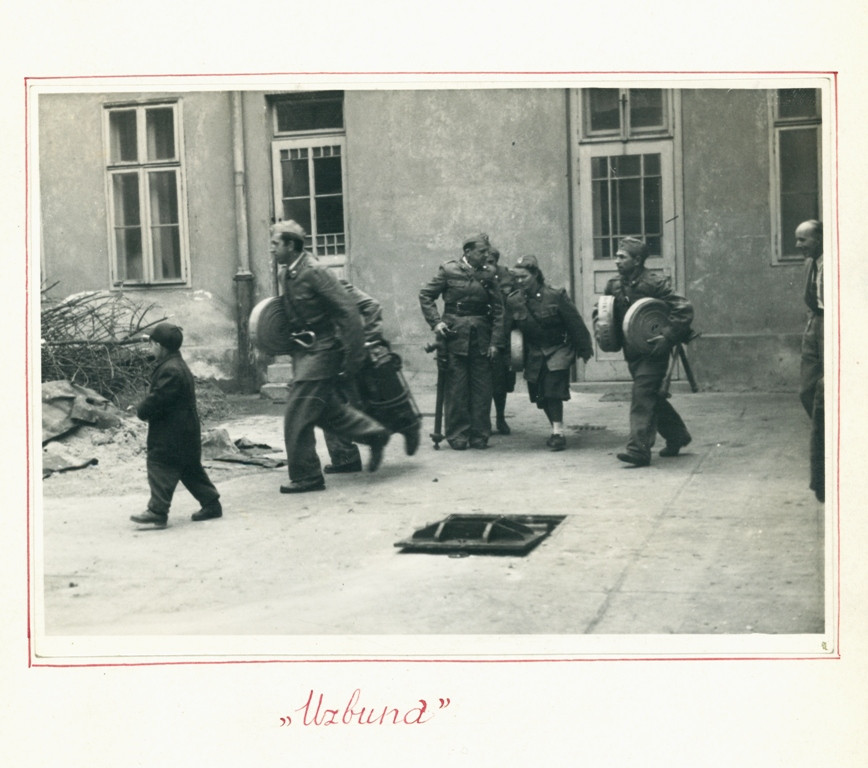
(174, 432)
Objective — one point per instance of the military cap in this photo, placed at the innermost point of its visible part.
(528, 262)
(291, 228)
(481, 238)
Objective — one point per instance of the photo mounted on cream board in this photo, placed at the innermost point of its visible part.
(444, 367)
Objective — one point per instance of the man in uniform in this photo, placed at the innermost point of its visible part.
(401, 414)
(502, 376)
(325, 322)
(809, 242)
(649, 411)
(471, 327)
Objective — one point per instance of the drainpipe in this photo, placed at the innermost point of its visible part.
(246, 370)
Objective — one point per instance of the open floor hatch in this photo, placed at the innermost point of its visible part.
(482, 534)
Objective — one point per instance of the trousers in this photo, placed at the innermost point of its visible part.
(811, 393)
(467, 401)
(342, 450)
(163, 479)
(649, 412)
(320, 403)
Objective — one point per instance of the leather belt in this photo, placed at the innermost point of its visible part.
(467, 309)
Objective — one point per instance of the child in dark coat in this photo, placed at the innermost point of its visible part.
(174, 433)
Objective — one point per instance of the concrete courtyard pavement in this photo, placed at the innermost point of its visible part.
(725, 539)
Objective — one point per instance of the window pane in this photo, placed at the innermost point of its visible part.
(330, 215)
(646, 107)
(128, 243)
(165, 233)
(122, 136)
(330, 245)
(310, 112)
(163, 197)
(799, 172)
(125, 190)
(327, 175)
(604, 109)
(161, 133)
(653, 206)
(629, 207)
(599, 167)
(652, 164)
(797, 102)
(626, 165)
(601, 207)
(299, 210)
(296, 182)
(166, 242)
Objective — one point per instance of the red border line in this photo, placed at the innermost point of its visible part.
(341, 73)
(27, 362)
(569, 660)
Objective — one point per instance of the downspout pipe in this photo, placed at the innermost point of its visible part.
(246, 368)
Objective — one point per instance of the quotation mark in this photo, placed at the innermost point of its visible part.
(444, 703)
(285, 721)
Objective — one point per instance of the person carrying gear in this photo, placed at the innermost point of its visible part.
(317, 304)
(650, 411)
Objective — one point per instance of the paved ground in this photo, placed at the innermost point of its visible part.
(723, 540)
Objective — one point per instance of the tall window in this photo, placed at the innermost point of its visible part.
(145, 192)
(310, 171)
(625, 113)
(796, 166)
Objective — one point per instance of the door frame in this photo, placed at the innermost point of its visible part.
(615, 368)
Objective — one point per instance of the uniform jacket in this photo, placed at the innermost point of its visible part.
(314, 300)
(647, 284)
(814, 284)
(371, 312)
(463, 290)
(554, 332)
(174, 433)
(505, 281)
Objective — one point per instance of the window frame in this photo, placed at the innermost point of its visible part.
(308, 139)
(626, 132)
(309, 142)
(274, 99)
(777, 127)
(143, 168)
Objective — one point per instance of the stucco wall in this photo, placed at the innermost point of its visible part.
(427, 168)
(750, 312)
(74, 214)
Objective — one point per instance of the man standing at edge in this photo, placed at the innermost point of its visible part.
(325, 322)
(649, 411)
(471, 326)
(809, 242)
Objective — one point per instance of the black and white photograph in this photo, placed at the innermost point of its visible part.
(522, 369)
(434, 384)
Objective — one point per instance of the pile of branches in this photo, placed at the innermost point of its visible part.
(94, 339)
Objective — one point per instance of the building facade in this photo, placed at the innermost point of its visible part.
(169, 197)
